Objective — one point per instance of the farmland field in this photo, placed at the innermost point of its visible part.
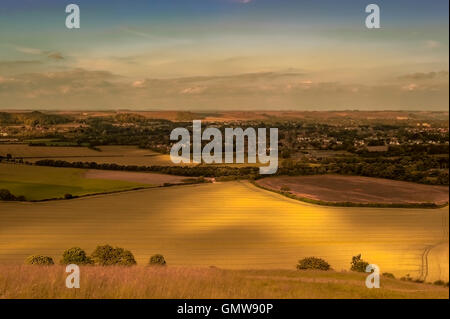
(357, 189)
(38, 182)
(121, 155)
(108, 154)
(231, 225)
(202, 282)
(143, 178)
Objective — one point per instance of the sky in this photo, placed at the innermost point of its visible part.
(224, 55)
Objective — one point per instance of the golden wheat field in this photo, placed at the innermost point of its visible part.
(231, 225)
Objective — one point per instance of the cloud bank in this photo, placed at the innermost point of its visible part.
(83, 89)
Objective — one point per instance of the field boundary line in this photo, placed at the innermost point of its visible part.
(425, 265)
(350, 204)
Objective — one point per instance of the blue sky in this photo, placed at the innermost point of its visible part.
(321, 42)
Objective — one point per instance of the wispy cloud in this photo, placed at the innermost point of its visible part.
(432, 44)
(34, 51)
(425, 76)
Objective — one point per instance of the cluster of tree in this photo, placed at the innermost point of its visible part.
(314, 263)
(8, 157)
(426, 170)
(194, 171)
(407, 150)
(7, 196)
(382, 168)
(146, 133)
(105, 255)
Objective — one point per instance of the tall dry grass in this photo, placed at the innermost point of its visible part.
(98, 282)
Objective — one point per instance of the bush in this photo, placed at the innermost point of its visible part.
(406, 278)
(313, 263)
(157, 260)
(107, 255)
(358, 264)
(77, 256)
(68, 196)
(39, 260)
(388, 275)
(7, 196)
(439, 283)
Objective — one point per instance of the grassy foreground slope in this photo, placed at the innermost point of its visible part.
(188, 283)
(232, 225)
(38, 183)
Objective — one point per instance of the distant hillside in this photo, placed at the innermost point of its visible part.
(33, 118)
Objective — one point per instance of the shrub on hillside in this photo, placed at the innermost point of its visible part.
(7, 196)
(406, 278)
(313, 263)
(358, 264)
(107, 255)
(39, 260)
(77, 256)
(439, 283)
(157, 260)
(388, 275)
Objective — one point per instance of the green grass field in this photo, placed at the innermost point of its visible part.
(206, 283)
(38, 183)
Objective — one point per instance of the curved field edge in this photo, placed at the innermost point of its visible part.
(49, 183)
(350, 204)
(435, 262)
(257, 229)
(140, 188)
(139, 282)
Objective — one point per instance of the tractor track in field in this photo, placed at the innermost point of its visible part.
(425, 265)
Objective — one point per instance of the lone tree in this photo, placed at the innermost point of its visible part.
(157, 260)
(76, 255)
(39, 260)
(313, 263)
(358, 264)
(107, 255)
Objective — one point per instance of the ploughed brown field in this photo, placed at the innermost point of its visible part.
(357, 189)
